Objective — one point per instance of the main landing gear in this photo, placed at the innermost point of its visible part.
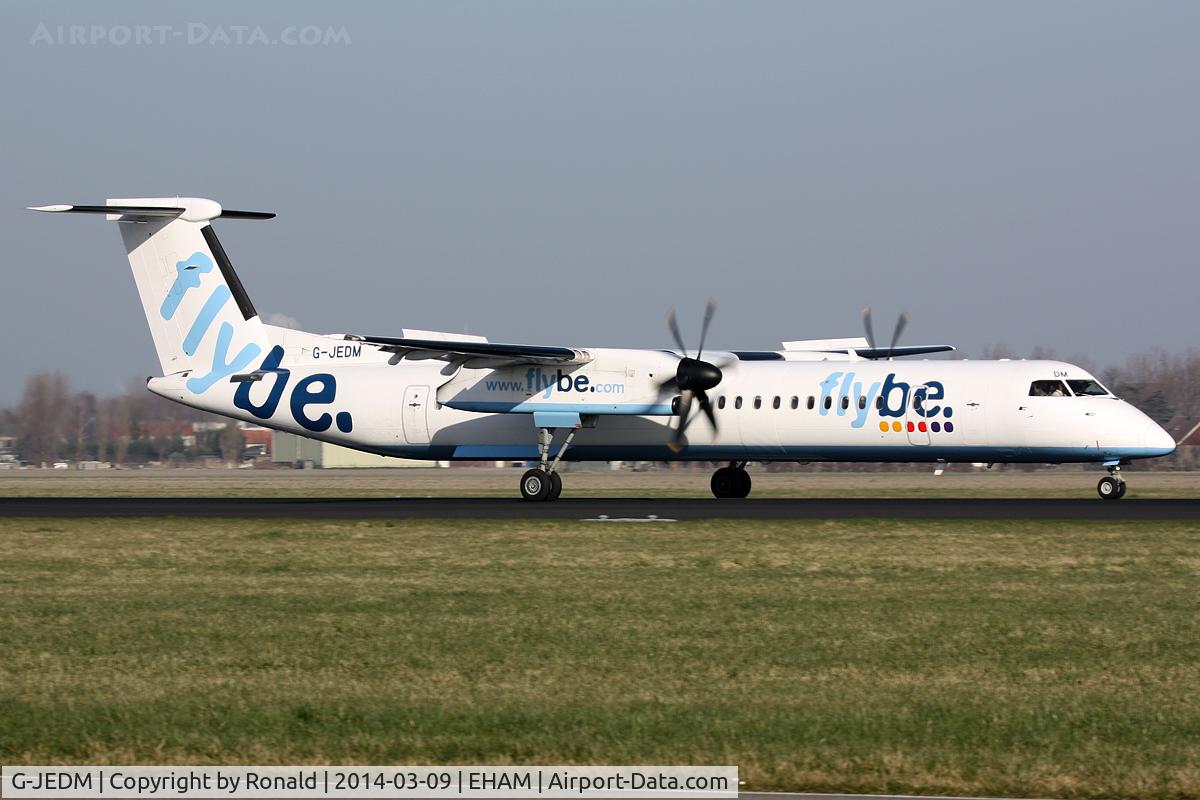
(543, 483)
(731, 481)
(1112, 487)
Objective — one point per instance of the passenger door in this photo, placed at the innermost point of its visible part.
(914, 423)
(416, 422)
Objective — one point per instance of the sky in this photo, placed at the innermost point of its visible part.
(564, 173)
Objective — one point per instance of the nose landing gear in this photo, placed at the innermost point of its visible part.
(731, 481)
(1112, 487)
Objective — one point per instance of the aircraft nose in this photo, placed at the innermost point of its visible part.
(1158, 440)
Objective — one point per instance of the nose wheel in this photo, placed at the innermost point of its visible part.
(732, 481)
(1111, 487)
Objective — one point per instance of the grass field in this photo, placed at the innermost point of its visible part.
(1031, 659)
(958, 481)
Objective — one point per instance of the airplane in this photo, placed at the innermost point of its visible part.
(447, 396)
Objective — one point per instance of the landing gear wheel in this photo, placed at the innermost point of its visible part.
(743, 483)
(1111, 488)
(555, 487)
(536, 485)
(724, 482)
(730, 481)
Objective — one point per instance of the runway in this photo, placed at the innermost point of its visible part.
(601, 509)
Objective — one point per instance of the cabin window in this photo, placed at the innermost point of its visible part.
(737, 402)
(845, 402)
(795, 402)
(721, 401)
(775, 402)
(862, 401)
(879, 402)
(812, 401)
(828, 403)
(758, 402)
(1088, 388)
(1048, 389)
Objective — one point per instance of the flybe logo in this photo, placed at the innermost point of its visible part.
(313, 390)
(890, 398)
(188, 275)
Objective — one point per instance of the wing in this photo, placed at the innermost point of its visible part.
(902, 350)
(476, 354)
(862, 348)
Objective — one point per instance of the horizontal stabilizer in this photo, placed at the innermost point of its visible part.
(193, 209)
(140, 211)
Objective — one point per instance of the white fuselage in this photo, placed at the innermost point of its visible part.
(769, 407)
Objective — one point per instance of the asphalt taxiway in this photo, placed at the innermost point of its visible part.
(603, 509)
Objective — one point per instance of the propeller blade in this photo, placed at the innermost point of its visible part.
(709, 310)
(673, 324)
(693, 378)
(900, 323)
(867, 325)
(685, 402)
(707, 408)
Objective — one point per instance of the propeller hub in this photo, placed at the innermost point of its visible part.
(697, 376)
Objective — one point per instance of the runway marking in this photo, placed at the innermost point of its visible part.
(607, 518)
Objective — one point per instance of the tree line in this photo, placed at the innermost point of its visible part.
(53, 423)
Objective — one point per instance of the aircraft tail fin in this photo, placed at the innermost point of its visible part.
(200, 316)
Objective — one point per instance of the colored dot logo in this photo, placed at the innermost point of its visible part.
(917, 427)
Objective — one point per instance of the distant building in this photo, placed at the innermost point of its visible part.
(257, 439)
(168, 429)
(288, 448)
(8, 452)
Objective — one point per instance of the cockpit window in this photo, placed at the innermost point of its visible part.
(1087, 388)
(1048, 389)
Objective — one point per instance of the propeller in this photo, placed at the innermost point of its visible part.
(693, 377)
(867, 325)
(901, 322)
